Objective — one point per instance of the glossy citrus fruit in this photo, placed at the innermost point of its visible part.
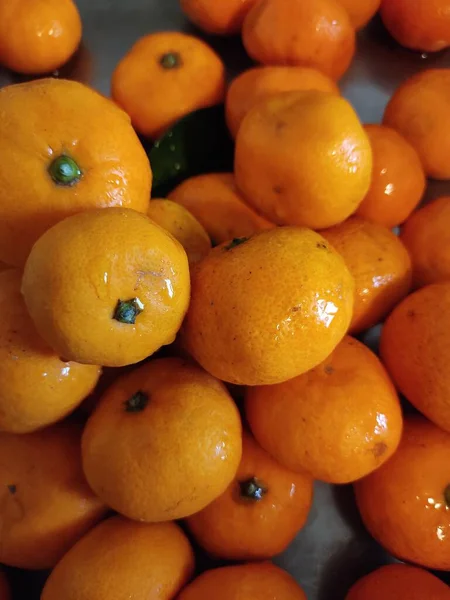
(405, 504)
(259, 514)
(216, 203)
(259, 83)
(46, 505)
(398, 178)
(164, 77)
(339, 422)
(220, 17)
(418, 24)
(308, 33)
(360, 11)
(38, 387)
(256, 318)
(184, 227)
(399, 582)
(379, 264)
(303, 158)
(426, 234)
(420, 111)
(38, 36)
(264, 581)
(107, 287)
(122, 559)
(415, 348)
(164, 442)
(65, 149)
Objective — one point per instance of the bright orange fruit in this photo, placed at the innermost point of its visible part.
(260, 512)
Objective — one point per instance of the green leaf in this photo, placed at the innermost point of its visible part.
(199, 143)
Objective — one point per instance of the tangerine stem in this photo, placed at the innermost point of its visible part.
(253, 489)
(64, 171)
(137, 402)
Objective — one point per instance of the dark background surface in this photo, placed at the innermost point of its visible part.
(333, 550)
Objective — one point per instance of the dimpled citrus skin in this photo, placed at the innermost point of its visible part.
(404, 504)
(399, 582)
(254, 85)
(172, 456)
(256, 318)
(237, 526)
(380, 265)
(122, 559)
(325, 40)
(416, 349)
(184, 227)
(360, 11)
(264, 581)
(419, 109)
(65, 118)
(80, 269)
(398, 178)
(215, 201)
(38, 388)
(303, 158)
(221, 17)
(426, 234)
(156, 96)
(38, 36)
(418, 24)
(46, 503)
(339, 421)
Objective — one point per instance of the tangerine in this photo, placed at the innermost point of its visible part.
(107, 287)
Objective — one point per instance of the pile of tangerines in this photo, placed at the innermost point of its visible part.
(262, 387)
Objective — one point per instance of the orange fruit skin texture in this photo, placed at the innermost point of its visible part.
(41, 120)
(398, 178)
(403, 503)
(399, 582)
(426, 234)
(122, 559)
(46, 503)
(264, 581)
(239, 527)
(80, 269)
(216, 203)
(415, 349)
(5, 591)
(360, 12)
(255, 318)
(38, 387)
(418, 24)
(325, 40)
(184, 227)
(173, 457)
(259, 83)
(40, 36)
(420, 110)
(156, 96)
(221, 17)
(303, 158)
(339, 422)
(379, 264)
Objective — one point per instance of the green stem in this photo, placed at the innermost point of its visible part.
(65, 171)
(253, 489)
(127, 311)
(137, 402)
(170, 60)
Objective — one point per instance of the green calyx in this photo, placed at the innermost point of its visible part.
(253, 489)
(65, 171)
(447, 495)
(127, 311)
(235, 242)
(170, 60)
(137, 402)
